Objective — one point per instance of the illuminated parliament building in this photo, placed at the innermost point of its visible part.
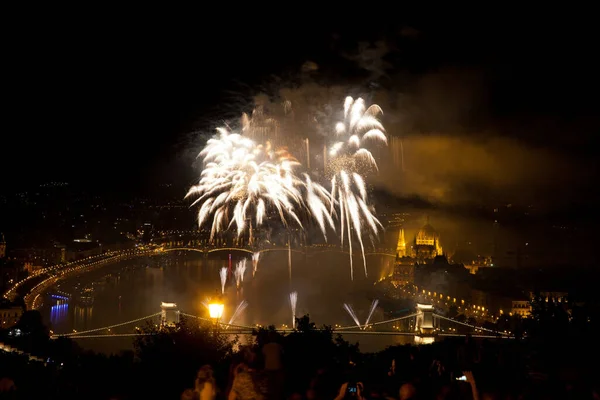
(423, 249)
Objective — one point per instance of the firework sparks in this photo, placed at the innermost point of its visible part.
(348, 160)
(242, 181)
(352, 314)
(223, 275)
(238, 311)
(289, 244)
(255, 258)
(240, 269)
(371, 311)
(307, 142)
(318, 199)
(293, 301)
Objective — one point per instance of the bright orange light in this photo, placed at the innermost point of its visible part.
(216, 310)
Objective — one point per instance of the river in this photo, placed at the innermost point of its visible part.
(135, 288)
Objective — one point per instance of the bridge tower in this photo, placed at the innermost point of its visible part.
(424, 323)
(169, 315)
(424, 326)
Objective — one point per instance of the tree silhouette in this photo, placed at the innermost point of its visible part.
(174, 354)
(34, 335)
(549, 320)
(452, 311)
(265, 335)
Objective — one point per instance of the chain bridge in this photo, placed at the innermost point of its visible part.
(424, 324)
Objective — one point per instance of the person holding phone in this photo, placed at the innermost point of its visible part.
(351, 390)
(467, 377)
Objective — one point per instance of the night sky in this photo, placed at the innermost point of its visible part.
(111, 99)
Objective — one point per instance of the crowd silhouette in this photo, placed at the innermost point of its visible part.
(192, 361)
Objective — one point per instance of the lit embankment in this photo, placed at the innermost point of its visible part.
(52, 274)
(446, 302)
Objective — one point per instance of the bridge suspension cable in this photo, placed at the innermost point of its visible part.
(393, 320)
(212, 321)
(106, 327)
(375, 323)
(469, 325)
(111, 335)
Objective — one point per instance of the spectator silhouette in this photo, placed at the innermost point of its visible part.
(272, 354)
(249, 382)
(205, 385)
(189, 394)
(407, 392)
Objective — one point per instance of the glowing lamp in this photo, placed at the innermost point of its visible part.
(216, 310)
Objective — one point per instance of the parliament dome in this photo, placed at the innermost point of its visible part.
(427, 236)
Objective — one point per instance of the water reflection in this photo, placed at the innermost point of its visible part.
(59, 313)
(82, 317)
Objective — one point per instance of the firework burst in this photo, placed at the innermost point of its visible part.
(352, 314)
(223, 276)
(240, 270)
(242, 182)
(238, 311)
(371, 311)
(349, 159)
(293, 302)
(255, 258)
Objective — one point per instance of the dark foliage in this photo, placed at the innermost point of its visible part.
(174, 354)
(165, 360)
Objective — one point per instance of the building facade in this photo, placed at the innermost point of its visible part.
(427, 244)
(2, 246)
(424, 249)
(9, 316)
(521, 307)
(404, 267)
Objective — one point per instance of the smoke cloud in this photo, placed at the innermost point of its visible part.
(437, 150)
(448, 145)
(461, 169)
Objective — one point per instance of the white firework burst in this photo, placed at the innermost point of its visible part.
(241, 182)
(349, 159)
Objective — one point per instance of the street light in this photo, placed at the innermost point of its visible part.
(215, 310)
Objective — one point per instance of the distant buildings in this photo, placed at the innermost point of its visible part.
(421, 262)
(401, 246)
(2, 246)
(404, 268)
(425, 247)
(551, 297)
(9, 316)
(480, 262)
(32, 259)
(9, 270)
(426, 244)
(521, 307)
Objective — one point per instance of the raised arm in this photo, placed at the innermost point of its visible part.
(471, 380)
